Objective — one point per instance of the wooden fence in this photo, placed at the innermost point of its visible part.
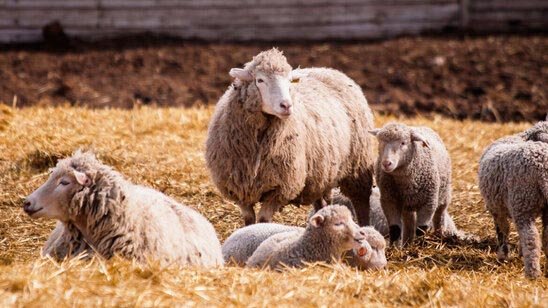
(244, 20)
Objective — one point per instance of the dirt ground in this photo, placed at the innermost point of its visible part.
(500, 78)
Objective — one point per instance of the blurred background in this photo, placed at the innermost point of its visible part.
(482, 59)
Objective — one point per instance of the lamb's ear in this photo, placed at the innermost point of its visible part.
(296, 75)
(316, 220)
(82, 178)
(375, 131)
(416, 137)
(241, 74)
(543, 137)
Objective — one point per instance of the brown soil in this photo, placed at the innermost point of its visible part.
(491, 78)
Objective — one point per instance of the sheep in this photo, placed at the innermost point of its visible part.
(329, 233)
(282, 136)
(379, 222)
(413, 173)
(101, 212)
(513, 180)
(241, 244)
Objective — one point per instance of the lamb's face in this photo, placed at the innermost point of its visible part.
(396, 145)
(52, 199)
(371, 253)
(337, 222)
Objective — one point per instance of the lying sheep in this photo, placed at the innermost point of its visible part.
(280, 136)
(414, 177)
(329, 233)
(513, 180)
(241, 244)
(100, 211)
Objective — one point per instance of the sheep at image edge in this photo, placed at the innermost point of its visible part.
(513, 180)
(100, 212)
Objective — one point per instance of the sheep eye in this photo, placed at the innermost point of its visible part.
(260, 80)
(64, 183)
(403, 143)
(339, 224)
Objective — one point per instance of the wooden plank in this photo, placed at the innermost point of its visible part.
(68, 18)
(6, 19)
(280, 32)
(508, 5)
(285, 16)
(60, 4)
(505, 16)
(20, 35)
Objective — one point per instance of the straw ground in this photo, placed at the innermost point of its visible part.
(163, 148)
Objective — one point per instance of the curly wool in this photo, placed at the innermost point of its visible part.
(422, 184)
(513, 180)
(115, 217)
(294, 248)
(254, 157)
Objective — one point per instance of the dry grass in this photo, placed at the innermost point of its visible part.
(163, 148)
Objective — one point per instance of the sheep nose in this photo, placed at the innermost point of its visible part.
(386, 164)
(26, 206)
(285, 105)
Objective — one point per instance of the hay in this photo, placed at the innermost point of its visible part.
(163, 148)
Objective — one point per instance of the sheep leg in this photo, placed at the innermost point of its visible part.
(270, 205)
(358, 190)
(530, 246)
(248, 213)
(409, 220)
(545, 234)
(502, 227)
(393, 215)
(424, 219)
(319, 204)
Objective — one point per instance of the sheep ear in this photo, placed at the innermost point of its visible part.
(416, 137)
(82, 178)
(543, 137)
(375, 131)
(295, 76)
(241, 74)
(317, 220)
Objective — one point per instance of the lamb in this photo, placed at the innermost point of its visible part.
(414, 177)
(99, 211)
(241, 244)
(329, 233)
(379, 222)
(513, 180)
(282, 136)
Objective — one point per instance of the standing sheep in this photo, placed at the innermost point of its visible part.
(513, 180)
(330, 232)
(378, 220)
(241, 244)
(280, 136)
(414, 177)
(100, 211)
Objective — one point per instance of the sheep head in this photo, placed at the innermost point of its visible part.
(270, 75)
(53, 199)
(396, 145)
(336, 225)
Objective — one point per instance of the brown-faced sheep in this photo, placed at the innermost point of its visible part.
(280, 136)
(513, 180)
(100, 211)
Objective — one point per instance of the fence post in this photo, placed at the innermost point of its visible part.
(464, 13)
